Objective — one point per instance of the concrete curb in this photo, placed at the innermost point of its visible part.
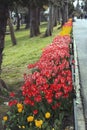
(78, 108)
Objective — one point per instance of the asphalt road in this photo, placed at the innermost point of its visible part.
(80, 36)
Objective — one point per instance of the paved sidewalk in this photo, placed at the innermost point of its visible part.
(80, 37)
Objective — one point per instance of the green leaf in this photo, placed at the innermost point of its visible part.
(8, 129)
(48, 128)
(61, 116)
(56, 124)
(3, 122)
(45, 125)
(9, 113)
(56, 121)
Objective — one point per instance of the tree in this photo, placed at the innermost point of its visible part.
(34, 6)
(50, 24)
(64, 10)
(3, 22)
(27, 19)
(53, 16)
(58, 9)
(18, 18)
(4, 15)
(15, 7)
(34, 20)
(12, 31)
(71, 9)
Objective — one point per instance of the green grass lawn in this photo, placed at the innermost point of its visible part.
(28, 50)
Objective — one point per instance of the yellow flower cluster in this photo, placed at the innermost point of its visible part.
(20, 107)
(66, 29)
(38, 123)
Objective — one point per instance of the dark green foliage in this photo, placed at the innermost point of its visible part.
(28, 3)
(9, 3)
(34, 3)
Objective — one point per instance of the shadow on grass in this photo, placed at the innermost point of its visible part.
(22, 38)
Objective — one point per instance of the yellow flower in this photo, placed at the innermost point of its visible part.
(5, 118)
(19, 126)
(23, 127)
(41, 122)
(30, 118)
(19, 105)
(47, 115)
(53, 129)
(38, 123)
(19, 110)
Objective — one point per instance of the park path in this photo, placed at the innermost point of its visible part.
(80, 37)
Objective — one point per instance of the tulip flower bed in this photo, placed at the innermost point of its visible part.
(47, 92)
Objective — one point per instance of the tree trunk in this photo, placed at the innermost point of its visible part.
(12, 32)
(66, 9)
(63, 15)
(55, 15)
(3, 23)
(18, 20)
(34, 22)
(64, 12)
(59, 15)
(38, 20)
(50, 23)
(27, 19)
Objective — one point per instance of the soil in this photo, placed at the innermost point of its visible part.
(68, 122)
